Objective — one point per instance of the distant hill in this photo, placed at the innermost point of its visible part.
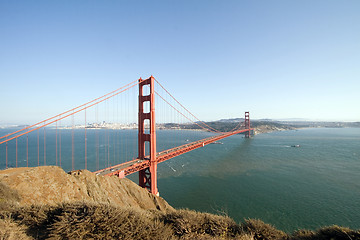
(231, 120)
(225, 125)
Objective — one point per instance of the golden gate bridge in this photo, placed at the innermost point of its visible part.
(78, 130)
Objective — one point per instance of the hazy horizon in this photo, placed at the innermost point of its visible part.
(14, 124)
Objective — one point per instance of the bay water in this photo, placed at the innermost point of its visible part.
(311, 186)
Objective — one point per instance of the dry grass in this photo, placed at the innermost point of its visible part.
(102, 221)
(186, 222)
(332, 232)
(10, 230)
(8, 196)
(81, 221)
(263, 231)
(89, 221)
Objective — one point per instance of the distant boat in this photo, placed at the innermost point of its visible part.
(295, 145)
(217, 143)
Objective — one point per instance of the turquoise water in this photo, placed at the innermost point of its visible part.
(315, 185)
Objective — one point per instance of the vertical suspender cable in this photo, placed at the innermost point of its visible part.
(108, 150)
(120, 155)
(97, 137)
(114, 146)
(44, 147)
(105, 138)
(6, 154)
(126, 139)
(85, 143)
(107, 133)
(116, 159)
(113, 131)
(16, 158)
(72, 143)
(56, 144)
(60, 145)
(134, 106)
(27, 150)
(126, 114)
(38, 147)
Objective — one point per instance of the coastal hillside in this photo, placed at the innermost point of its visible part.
(47, 203)
(50, 185)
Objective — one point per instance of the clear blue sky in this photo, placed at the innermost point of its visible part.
(277, 59)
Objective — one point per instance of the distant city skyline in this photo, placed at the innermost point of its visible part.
(276, 59)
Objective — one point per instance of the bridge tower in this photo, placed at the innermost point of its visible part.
(148, 176)
(247, 124)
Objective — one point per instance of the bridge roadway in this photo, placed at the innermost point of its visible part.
(136, 165)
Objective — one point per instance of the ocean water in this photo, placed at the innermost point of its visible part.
(314, 185)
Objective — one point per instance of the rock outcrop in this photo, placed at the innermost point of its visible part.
(50, 185)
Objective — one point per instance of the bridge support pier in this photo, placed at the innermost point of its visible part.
(247, 124)
(148, 176)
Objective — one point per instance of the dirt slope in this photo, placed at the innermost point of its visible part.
(51, 185)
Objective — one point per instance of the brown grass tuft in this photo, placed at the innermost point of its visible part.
(262, 231)
(187, 223)
(303, 235)
(9, 230)
(332, 232)
(8, 196)
(86, 221)
(82, 220)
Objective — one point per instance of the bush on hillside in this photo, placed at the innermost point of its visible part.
(263, 231)
(10, 230)
(8, 196)
(187, 222)
(81, 221)
(102, 221)
(332, 232)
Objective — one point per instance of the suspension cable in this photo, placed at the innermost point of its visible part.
(214, 130)
(36, 124)
(70, 114)
(184, 115)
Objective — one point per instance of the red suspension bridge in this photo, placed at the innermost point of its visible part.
(115, 134)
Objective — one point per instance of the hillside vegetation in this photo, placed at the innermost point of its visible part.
(47, 203)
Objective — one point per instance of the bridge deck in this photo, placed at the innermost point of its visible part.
(136, 165)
